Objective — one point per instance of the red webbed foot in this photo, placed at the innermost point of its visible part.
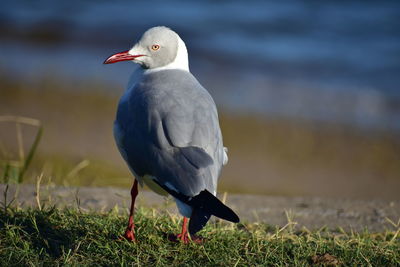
(129, 235)
(184, 238)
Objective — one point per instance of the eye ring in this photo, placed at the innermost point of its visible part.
(155, 47)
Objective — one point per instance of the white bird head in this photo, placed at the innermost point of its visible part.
(158, 48)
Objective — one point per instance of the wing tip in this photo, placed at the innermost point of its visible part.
(207, 201)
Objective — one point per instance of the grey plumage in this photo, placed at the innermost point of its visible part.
(168, 128)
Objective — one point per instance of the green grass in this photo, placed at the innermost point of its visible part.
(52, 237)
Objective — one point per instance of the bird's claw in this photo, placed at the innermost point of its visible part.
(184, 238)
(198, 239)
(129, 235)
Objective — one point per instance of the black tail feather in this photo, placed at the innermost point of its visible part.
(206, 202)
(198, 220)
(210, 204)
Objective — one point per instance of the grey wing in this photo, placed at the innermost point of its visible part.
(185, 129)
(193, 123)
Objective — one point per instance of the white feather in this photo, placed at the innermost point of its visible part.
(181, 60)
(184, 210)
(225, 160)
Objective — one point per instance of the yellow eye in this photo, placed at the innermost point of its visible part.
(155, 47)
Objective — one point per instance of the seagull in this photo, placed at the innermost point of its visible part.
(167, 131)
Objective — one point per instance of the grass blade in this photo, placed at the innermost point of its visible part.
(30, 155)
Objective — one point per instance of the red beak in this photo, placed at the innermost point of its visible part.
(122, 56)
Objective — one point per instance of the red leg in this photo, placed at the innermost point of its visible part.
(183, 236)
(129, 232)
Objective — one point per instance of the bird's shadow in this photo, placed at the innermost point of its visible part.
(41, 231)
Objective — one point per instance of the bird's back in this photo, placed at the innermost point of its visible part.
(167, 127)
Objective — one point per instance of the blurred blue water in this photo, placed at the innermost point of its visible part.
(320, 60)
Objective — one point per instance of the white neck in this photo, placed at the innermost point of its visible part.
(181, 60)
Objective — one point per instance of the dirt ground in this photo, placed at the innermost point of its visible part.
(310, 212)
